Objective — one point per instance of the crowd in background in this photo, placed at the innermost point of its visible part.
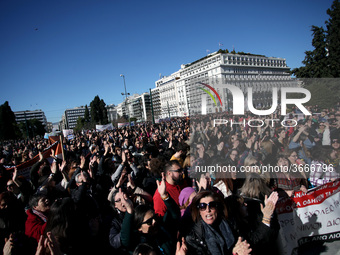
(146, 189)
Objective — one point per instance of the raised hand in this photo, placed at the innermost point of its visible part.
(269, 205)
(123, 157)
(82, 162)
(121, 180)
(41, 157)
(106, 146)
(62, 166)
(15, 174)
(126, 202)
(52, 153)
(9, 245)
(274, 196)
(242, 247)
(54, 167)
(204, 182)
(303, 189)
(131, 183)
(181, 248)
(161, 186)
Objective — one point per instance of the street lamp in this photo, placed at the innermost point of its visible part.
(126, 94)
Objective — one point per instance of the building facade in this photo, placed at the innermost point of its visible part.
(136, 106)
(111, 112)
(181, 93)
(22, 116)
(71, 116)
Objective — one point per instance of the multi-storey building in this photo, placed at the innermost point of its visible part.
(22, 116)
(156, 102)
(179, 94)
(136, 106)
(71, 116)
(111, 112)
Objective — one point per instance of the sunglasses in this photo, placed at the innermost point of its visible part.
(203, 206)
(335, 141)
(177, 171)
(149, 221)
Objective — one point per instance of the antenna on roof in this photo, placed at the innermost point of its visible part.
(160, 76)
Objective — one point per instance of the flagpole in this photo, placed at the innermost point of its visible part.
(62, 147)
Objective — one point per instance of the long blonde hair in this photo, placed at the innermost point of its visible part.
(255, 186)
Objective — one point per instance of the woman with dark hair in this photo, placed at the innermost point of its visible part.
(141, 225)
(12, 219)
(280, 141)
(288, 180)
(211, 233)
(253, 220)
(322, 171)
(63, 224)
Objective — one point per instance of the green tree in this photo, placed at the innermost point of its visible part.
(87, 114)
(32, 128)
(80, 124)
(316, 62)
(8, 127)
(324, 60)
(98, 111)
(325, 92)
(333, 38)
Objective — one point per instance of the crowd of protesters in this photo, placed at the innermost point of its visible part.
(150, 188)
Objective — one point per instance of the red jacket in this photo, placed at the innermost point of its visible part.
(34, 226)
(158, 203)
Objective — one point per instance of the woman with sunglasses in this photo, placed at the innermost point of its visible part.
(211, 233)
(141, 225)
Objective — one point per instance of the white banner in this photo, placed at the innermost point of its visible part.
(123, 124)
(104, 127)
(67, 132)
(310, 217)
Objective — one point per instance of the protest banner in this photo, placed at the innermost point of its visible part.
(123, 124)
(67, 132)
(104, 127)
(306, 218)
(25, 167)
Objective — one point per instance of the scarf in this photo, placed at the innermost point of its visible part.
(40, 215)
(218, 244)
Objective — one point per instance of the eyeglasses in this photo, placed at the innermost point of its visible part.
(203, 206)
(149, 221)
(177, 171)
(335, 141)
(10, 185)
(232, 154)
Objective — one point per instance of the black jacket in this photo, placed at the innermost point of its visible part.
(196, 241)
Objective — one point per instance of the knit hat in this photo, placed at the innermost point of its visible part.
(184, 195)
